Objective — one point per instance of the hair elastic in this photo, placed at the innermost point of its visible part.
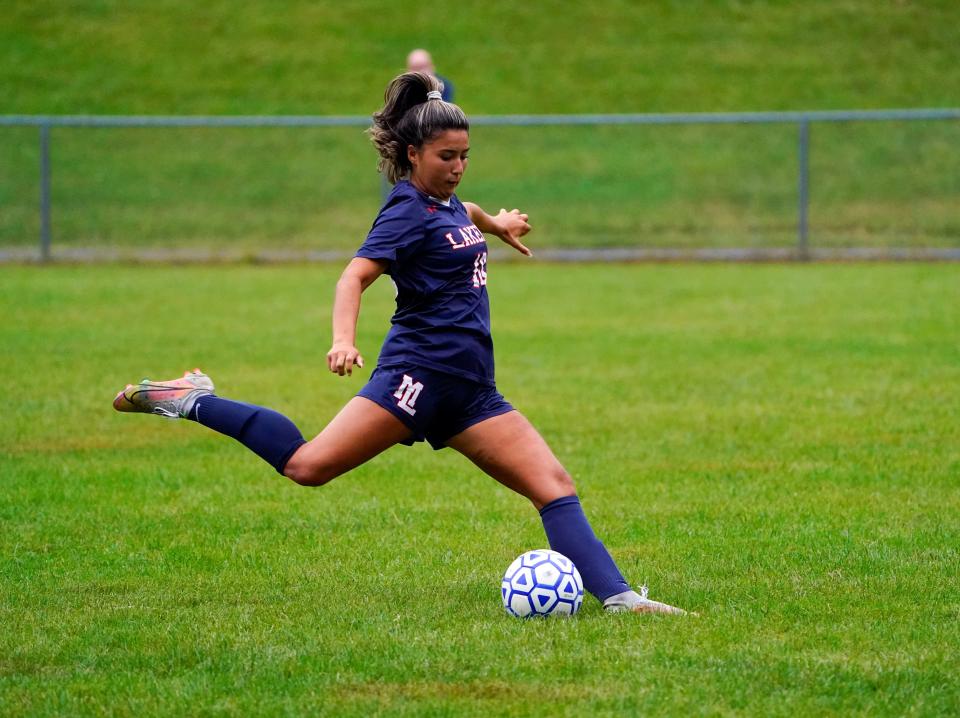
(434, 95)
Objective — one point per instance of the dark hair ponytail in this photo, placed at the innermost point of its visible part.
(411, 117)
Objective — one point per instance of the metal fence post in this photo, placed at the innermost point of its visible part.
(45, 193)
(803, 190)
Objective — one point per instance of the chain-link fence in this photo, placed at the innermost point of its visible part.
(880, 183)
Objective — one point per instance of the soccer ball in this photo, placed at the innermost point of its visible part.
(542, 583)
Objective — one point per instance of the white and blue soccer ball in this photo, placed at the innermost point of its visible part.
(542, 583)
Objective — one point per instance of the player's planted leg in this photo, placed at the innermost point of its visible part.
(509, 448)
(569, 532)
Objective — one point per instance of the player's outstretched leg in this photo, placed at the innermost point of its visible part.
(359, 432)
(509, 448)
(267, 433)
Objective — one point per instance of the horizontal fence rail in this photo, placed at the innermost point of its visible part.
(678, 118)
(803, 120)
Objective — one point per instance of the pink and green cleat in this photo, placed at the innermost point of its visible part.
(173, 399)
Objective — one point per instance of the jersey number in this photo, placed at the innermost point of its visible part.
(407, 394)
(480, 270)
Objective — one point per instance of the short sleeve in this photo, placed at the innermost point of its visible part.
(396, 231)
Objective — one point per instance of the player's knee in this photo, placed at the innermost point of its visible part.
(558, 485)
(312, 472)
(564, 482)
(313, 475)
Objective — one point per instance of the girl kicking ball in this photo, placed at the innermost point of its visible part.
(434, 380)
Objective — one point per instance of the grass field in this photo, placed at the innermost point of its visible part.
(873, 185)
(773, 446)
(323, 57)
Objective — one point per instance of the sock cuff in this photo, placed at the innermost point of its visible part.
(194, 413)
(281, 463)
(562, 501)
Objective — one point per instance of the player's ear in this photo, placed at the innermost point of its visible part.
(413, 155)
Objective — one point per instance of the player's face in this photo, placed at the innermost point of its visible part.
(440, 163)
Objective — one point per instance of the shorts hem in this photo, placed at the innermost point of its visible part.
(442, 443)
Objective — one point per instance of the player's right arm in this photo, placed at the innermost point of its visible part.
(358, 275)
(508, 226)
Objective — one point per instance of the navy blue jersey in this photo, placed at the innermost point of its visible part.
(437, 259)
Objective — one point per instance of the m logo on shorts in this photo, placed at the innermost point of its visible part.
(407, 394)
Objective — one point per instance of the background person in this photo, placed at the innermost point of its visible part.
(419, 60)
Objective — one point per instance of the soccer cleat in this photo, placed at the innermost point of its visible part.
(639, 603)
(173, 399)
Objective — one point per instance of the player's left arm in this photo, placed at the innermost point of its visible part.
(508, 226)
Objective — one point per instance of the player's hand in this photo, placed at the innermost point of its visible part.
(511, 227)
(342, 357)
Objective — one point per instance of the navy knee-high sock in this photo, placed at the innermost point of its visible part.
(267, 433)
(569, 532)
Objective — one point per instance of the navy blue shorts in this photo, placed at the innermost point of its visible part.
(436, 406)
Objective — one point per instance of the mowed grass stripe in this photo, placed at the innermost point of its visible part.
(773, 446)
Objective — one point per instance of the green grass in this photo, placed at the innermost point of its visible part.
(774, 446)
(304, 57)
(889, 185)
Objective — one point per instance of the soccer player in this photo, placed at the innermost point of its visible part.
(434, 380)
